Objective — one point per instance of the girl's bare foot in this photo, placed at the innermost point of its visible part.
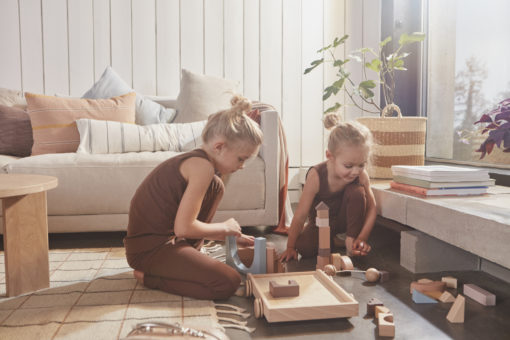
(138, 276)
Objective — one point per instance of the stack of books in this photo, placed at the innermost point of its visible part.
(440, 180)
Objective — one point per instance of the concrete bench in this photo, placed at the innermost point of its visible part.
(479, 226)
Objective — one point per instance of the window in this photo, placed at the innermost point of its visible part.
(468, 73)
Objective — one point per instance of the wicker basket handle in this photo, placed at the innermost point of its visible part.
(388, 110)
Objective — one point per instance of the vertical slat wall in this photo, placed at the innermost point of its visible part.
(63, 46)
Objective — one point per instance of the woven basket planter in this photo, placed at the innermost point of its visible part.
(397, 141)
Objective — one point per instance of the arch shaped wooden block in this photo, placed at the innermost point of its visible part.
(258, 265)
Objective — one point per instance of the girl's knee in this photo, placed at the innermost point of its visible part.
(355, 192)
(226, 283)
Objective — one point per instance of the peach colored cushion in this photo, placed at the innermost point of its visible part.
(54, 119)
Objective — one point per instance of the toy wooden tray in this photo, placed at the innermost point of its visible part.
(319, 297)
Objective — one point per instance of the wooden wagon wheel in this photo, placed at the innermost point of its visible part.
(248, 288)
(258, 309)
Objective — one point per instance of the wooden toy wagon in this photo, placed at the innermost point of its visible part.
(319, 297)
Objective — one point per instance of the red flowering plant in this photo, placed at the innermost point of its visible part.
(497, 124)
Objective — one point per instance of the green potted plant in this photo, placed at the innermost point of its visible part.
(380, 67)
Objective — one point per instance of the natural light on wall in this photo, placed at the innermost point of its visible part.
(468, 75)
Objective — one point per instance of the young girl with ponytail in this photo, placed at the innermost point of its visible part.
(342, 183)
(171, 211)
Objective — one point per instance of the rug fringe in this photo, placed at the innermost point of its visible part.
(243, 328)
(229, 306)
(234, 321)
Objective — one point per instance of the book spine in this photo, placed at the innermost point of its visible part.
(409, 188)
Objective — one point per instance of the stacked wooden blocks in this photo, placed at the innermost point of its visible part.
(385, 322)
(322, 222)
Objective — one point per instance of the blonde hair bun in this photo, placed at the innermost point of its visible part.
(331, 120)
(240, 104)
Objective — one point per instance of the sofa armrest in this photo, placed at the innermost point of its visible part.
(270, 153)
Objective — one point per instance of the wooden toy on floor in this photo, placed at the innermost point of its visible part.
(456, 313)
(258, 265)
(371, 304)
(380, 309)
(480, 295)
(435, 294)
(386, 325)
(336, 260)
(419, 297)
(451, 282)
(283, 290)
(319, 297)
(428, 286)
(446, 297)
(322, 222)
(371, 274)
(383, 276)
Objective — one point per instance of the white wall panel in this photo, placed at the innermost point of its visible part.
(251, 75)
(168, 47)
(144, 46)
(192, 35)
(291, 79)
(234, 41)
(81, 46)
(102, 57)
(371, 38)
(312, 148)
(10, 63)
(271, 52)
(213, 37)
(31, 46)
(121, 37)
(55, 45)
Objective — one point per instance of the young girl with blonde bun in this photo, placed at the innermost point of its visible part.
(342, 183)
(171, 211)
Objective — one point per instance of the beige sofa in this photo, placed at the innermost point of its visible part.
(95, 190)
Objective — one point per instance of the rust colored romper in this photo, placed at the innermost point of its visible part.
(347, 209)
(174, 266)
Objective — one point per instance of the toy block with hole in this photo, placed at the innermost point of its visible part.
(322, 210)
(371, 304)
(422, 298)
(336, 260)
(480, 295)
(283, 290)
(381, 309)
(386, 325)
(429, 286)
(258, 265)
(456, 313)
(451, 282)
(446, 297)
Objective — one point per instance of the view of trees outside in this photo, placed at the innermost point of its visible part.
(482, 69)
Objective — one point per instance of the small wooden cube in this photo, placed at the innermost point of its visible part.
(281, 290)
(451, 282)
(371, 304)
(386, 325)
(381, 309)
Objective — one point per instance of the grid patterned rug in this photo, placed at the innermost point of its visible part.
(93, 295)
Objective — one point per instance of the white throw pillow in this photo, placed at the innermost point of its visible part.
(147, 111)
(103, 136)
(201, 96)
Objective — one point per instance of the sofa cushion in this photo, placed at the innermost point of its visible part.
(104, 184)
(147, 111)
(103, 136)
(202, 95)
(15, 132)
(53, 119)
(10, 97)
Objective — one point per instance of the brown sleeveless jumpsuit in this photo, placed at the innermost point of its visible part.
(171, 265)
(347, 209)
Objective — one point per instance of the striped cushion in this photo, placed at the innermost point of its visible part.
(101, 136)
(53, 119)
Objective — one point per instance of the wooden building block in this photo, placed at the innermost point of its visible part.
(451, 282)
(346, 263)
(456, 313)
(324, 237)
(322, 222)
(384, 276)
(434, 294)
(480, 295)
(446, 297)
(371, 304)
(386, 325)
(424, 280)
(281, 290)
(429, 286)
(322, 261)
(322, 210)
(381, 309)
(325, 252)
(281, 267)
(419, 297)
(336, 260)
(271, 259)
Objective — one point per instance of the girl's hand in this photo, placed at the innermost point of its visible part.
(288, 254)
(232, 228)
(360, 247)
(245, 241)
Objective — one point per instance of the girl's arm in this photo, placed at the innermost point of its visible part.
(370, 217)
(199, 173)
(310, 189)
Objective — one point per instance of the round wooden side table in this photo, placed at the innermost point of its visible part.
(25, 227)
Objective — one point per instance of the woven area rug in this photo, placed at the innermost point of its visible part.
(93, 295)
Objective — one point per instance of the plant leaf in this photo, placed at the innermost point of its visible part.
(325, 48)
(337, 41)
(385, 41)
(484, 119)
(355, 57)
(333, 108)
(340, 62)
(374, 65)
(411, 38)
(314, 64)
